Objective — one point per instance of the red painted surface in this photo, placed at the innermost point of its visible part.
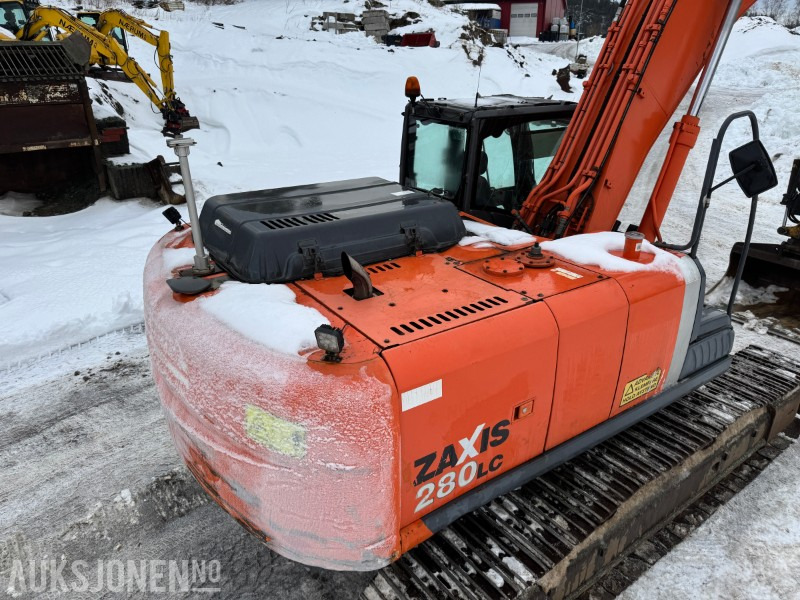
(562, 341)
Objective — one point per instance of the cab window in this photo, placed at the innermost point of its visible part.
(437, 159)
(513, 161)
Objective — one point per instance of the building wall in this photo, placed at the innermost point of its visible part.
(548, 10)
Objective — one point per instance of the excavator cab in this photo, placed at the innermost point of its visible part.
(92, 18)
(484, 154)
(12, 16)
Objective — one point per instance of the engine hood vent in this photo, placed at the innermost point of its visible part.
(447, 316)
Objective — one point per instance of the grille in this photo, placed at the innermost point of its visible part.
(454, 314)
(289, 222)
(382, 268)
(24, 61)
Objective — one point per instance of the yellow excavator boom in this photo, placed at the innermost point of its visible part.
(107, 51)
(110, 19)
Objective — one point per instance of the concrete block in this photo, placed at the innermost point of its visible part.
(375, 21)
(375, 13)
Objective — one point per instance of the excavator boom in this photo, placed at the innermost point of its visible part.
(649, 61)
(111, 19)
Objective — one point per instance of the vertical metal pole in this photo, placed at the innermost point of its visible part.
(578, 31)
(716, 55)
(181, 146)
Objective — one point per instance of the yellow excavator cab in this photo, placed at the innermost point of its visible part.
(92, 18)
(13, 17)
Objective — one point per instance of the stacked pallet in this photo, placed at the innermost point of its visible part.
(339, 22)
(171, 5)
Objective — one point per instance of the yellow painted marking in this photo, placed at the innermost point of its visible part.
(640, 386)
(275, 433)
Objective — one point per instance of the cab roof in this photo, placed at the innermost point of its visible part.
(463, 110)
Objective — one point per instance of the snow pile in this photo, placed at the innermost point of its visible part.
(177, 257)
(594, 249)
(266, 314)
(69, 278)
(746, 295)
(483, 234)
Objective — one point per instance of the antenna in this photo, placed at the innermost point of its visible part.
(478, 90)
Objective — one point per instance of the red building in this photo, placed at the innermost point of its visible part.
(527, 19)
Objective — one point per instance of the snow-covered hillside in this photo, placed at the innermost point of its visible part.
(786, 12)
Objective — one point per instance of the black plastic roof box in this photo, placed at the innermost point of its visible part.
(286, 234)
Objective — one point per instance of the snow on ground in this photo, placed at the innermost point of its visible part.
(748, 549)
(69, 278)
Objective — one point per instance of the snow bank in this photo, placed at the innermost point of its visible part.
(594, 249)
(267, 314)
(750, 548)
(490, 233)
(73, 277)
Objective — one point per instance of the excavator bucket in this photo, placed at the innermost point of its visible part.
(189, 123)
(775, 268)
(769, 264)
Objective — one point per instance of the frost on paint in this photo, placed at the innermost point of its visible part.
(283, 432)
(595, 249)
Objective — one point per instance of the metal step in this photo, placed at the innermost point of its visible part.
(555, 535)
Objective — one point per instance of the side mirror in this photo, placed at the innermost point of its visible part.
(753, 169)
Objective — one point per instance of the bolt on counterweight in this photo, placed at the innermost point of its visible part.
(181, 146)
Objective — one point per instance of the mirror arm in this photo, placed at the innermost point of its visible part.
(732, 177)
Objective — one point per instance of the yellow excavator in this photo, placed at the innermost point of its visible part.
(107, 51)
(117, 23)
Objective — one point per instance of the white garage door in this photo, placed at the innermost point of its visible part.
(524, 18)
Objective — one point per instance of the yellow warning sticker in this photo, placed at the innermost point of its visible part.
(640, 386)
(275, 433)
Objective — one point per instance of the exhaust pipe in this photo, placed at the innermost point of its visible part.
(358, 276)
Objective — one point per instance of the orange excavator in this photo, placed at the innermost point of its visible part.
(440, 341)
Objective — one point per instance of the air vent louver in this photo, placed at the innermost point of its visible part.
(288, 222)
(446, 316)
(383, 267)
